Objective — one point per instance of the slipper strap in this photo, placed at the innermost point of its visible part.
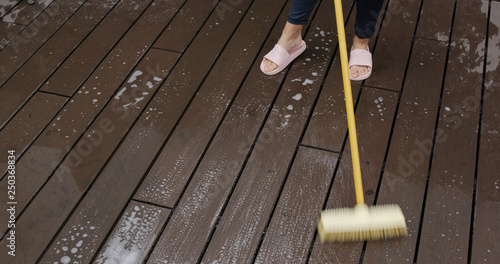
(278, 55)
(360, 57)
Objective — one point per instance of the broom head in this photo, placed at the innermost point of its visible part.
(362, 223)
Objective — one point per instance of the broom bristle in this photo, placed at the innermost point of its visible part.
(362, 223)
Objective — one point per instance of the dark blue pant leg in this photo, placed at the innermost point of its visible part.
(366, 17)
(300, 11)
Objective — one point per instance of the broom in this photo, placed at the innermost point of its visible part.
(361, 222)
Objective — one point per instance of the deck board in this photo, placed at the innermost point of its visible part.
(245, 218)
(291, 230)
(187, 22)
(8, 32)
(329, 113)
(23, 13)
(151, 130)
(145, 132)
(436, 20)
(43, 62)
(407, 164)
(34, 36)
(38, 163)
(134, 235)
(75, 69)
(488, 182)
(188, 142)
(84, 162)
(451, 183)
(214, 191)
(393, 44)
(374, 120)
(27, 124)
(6, 6)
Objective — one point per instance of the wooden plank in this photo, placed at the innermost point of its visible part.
(293, 224)
(436, 20)
(374, 118)
(150, 143)
(35, 35)
(487, 213)
(242, 223)
(6, 6)
(130, 240)
(81, 110)
(174, 166)
(188, 21)
(23, 13)
(8, 32)
(72, 179)
(40, 160)
(28, 124)
(128, 243)
(19, 88)
(58, 84)
(329, 113)
(446, 223)
(221, 164)
(125, 171)
(83, 61)
(407, 164)
(108, 74)
(394, 44)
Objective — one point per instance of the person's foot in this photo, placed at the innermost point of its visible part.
(359, 70)
(291, 37)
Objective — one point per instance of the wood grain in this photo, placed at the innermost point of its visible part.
(159, 108)
(436, 19)
(374, 116)
(411, 145)
(27, 124)
(394, 43)
(246, 216)
(8, 32)
(35, 35)
(134, 156)
(188, 21)
(59, 138)
(133, 235)
(178, 160)
(71, 180)
(487, 209)
(23, 13)
(446, 222)
(329, 113)
(293, 223)
(83, 61)
(19, 88)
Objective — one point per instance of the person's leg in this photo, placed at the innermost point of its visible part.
(300, 11)
(291, 36)
(366, 19)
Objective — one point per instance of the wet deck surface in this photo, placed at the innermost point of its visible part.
(144, 132)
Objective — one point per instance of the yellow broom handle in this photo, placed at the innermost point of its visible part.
(348, 102)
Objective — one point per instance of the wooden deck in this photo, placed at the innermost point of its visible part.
(144, 132)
